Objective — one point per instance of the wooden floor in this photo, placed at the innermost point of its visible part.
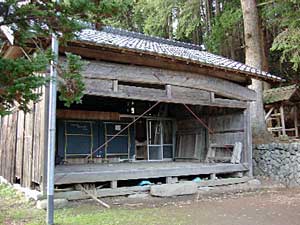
(90, 173)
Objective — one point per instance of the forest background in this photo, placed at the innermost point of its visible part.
(217, 25)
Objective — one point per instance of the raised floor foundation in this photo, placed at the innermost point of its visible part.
(92, 173)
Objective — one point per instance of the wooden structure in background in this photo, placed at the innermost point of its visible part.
(123, 79)
(281, 105)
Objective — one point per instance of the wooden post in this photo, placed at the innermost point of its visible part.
(169, 90)
(212, 176)
(212, 96)
(168, 180)
(114, 184)
(247, 156)
(115, 85)
(296, 120)
(282, 120)
(269, 113)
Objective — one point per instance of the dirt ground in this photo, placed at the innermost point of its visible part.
(271, 206)
(263, 208)
(267, 207)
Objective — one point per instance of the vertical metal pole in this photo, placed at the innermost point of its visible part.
(51, 134)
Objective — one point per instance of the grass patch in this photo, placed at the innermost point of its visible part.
(14, 209)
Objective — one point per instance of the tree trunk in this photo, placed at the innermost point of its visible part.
(254, 59)
(208, 13)
(217, 7)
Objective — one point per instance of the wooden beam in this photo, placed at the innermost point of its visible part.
(143, 74)
(269, 113)
(13, 52)
(248, 140)
(90, 176)
(103, 88)
(282, 119)
(109, 192)
(86, 115)
(93, 196)
(296, 121)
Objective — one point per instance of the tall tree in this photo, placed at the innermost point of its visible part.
(32, 23)
(254, 59)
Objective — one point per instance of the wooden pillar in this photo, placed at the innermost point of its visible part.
(212, 176)
(169, 90)
(115, 85)
(282, 120)
(212, 96)
(113, 184)
(296, 120)
(44, 157)
(169, 180)
(247, 153)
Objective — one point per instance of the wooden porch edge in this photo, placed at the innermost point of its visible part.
(110, 192)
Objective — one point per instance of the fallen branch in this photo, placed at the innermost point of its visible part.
(93, 196)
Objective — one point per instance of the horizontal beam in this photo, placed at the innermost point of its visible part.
(142, 74)
(109, 192)
(99, 87)
(86, 115)
(90, 176)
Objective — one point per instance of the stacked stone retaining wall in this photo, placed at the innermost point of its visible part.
(279, 161)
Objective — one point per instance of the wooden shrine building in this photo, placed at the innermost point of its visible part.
(281, 105)
(153, 109)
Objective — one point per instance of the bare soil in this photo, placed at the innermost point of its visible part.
(268, 207)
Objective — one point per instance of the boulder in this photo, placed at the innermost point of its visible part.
(58, 203)
(254, 183)
(168, 190)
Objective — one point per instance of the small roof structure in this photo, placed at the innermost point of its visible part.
(126, 40)
(280, 94)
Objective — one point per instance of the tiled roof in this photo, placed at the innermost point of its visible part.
(279, 94)
(113, 37)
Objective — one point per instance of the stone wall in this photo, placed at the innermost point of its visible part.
(279, 161)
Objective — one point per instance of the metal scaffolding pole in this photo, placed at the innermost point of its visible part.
(51, 133)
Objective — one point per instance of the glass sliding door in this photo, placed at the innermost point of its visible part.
(154, 136)
(159, 139)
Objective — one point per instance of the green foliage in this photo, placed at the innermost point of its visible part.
(72, 86)
(32, 23)
(156, 16)
(223, 28)
(286, 15)
(189, 22)
(19, 81)
(288, 42)
(124, 17)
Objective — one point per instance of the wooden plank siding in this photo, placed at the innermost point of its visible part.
(22, 145)
(229, 129)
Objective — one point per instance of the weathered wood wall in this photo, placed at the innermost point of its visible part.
(228, 129)
(191, 140)
(22, 143)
